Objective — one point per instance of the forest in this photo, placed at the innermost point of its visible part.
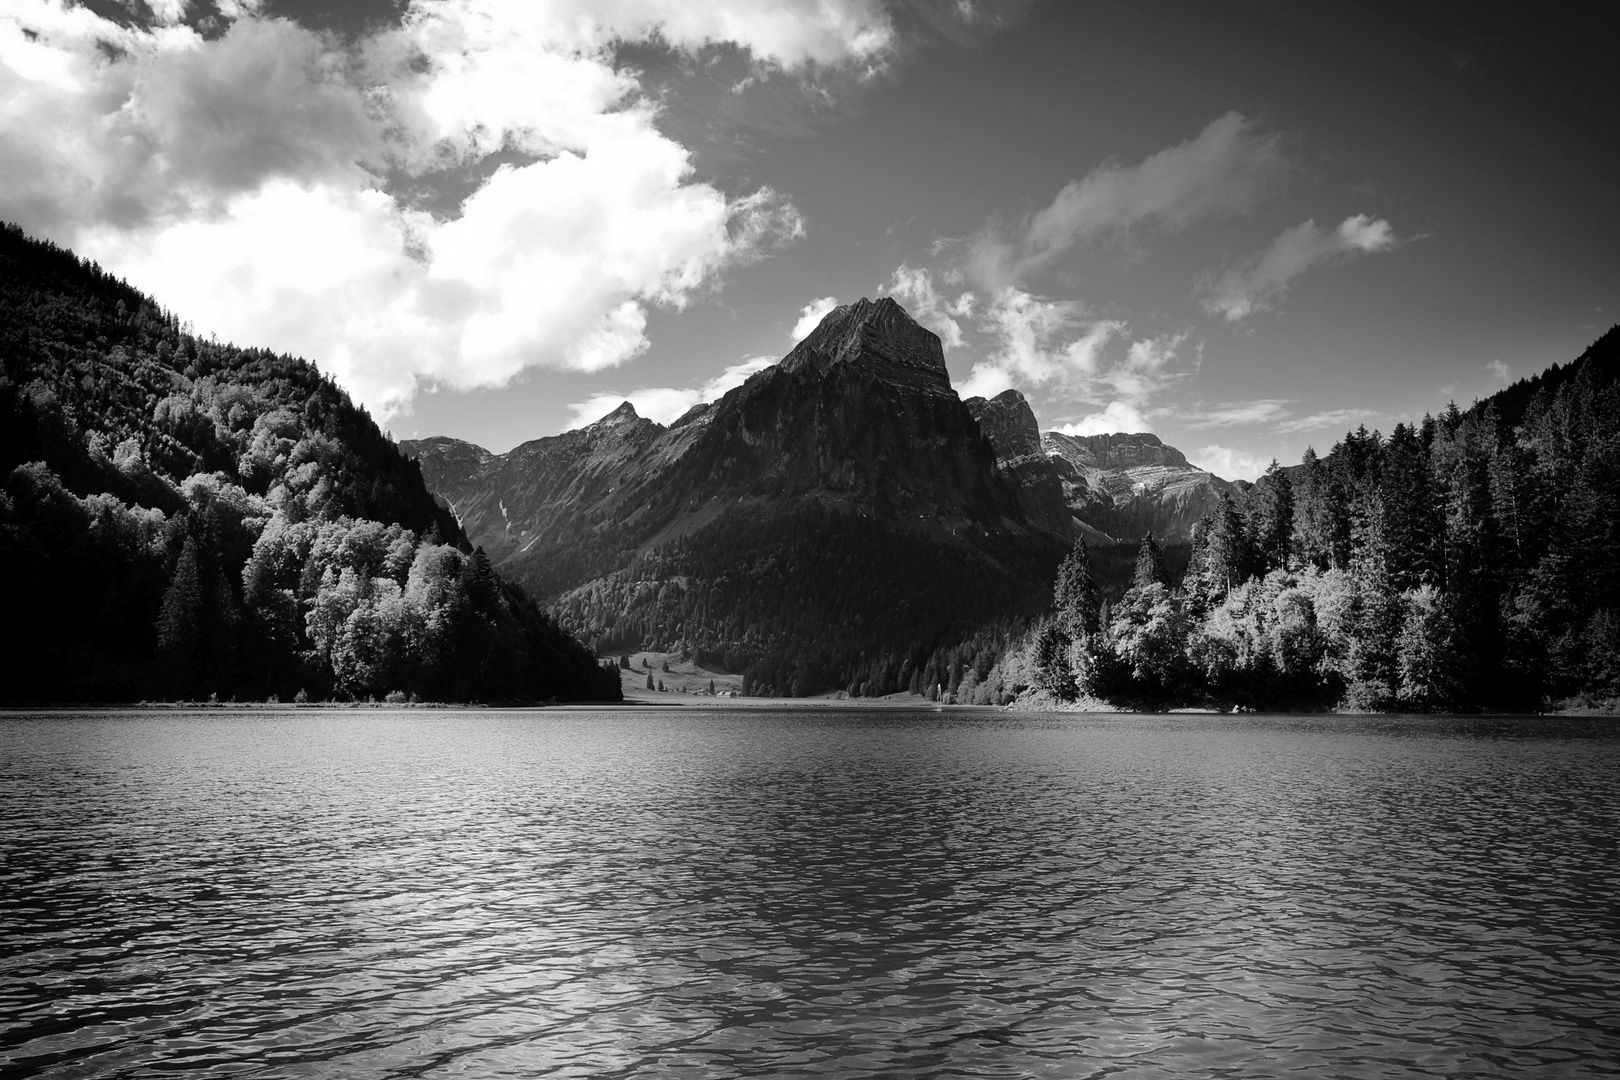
(181, 519)
(1467, 562)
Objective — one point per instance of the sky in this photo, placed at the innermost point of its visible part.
(1245, 227)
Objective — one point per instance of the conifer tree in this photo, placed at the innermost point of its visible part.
(180, 622)
(1227, 556)
(1075, 597)
(1274, 518)
(1150, 564)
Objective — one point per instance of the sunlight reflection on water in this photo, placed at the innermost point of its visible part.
(742, 893)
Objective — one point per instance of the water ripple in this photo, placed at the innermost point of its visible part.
(729, 894)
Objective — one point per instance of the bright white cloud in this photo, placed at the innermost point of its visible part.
(1229, 463)
(810, 317)
(241, 178)
(1259, 282)
(916, 290)
(665, 404)
(1054, 347)
(1118, 416)
(1037, 343)
(1226, 168)
(1500, 370)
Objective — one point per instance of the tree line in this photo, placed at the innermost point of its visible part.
(1470, 561)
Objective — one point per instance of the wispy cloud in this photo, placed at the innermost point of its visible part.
(1257, 283)
(1237, 413)
(1500, 370)
(1342, 419)
(1224, 169)
(665, 404)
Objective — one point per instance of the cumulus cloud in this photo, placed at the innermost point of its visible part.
(1056, 348)
(1117, 416)
(1500, 370)
(665, 404)
(1037, 343)
(1259, 282)
(1225, 168)
(259, 182)
(916, 290)
(810, 317)
(1229, 463)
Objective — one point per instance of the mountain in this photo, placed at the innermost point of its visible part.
(1107, 488)
(840, 507)
(181, 518)
(1128, 485)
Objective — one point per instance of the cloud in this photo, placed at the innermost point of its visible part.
(1342, 419)
(915, 289)
(1500, 370)
(1055, 346)
(1238, 413)
(1230, 464)
(1224, 169)
(810, 317)
(665, 404)
(1259, 282)
(1118, 416)
(265, 182)
(1037, 343)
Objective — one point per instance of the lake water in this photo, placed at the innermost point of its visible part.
(680, 892)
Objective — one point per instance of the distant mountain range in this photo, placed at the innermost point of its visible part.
(855, 445)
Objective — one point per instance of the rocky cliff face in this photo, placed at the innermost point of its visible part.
(1009, 423)
(1127, 485)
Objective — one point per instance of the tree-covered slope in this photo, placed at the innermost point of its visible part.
(1471, 561)
(181, 518)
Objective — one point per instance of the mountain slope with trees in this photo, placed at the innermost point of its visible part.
(1471, 561)
(182, 518)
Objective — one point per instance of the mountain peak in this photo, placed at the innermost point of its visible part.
(622, 415)
(877, 334)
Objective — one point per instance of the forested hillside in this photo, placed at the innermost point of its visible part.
(1471, 561)
(182, 518)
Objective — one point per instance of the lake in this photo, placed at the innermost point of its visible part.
(737, 892)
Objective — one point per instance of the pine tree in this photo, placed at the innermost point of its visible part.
(1052, 671)
(1410, 524)
(1274, 518)
(1150, 564)
(649, 680)
(1371, 668)
(1313, 516)
(1075, 597)
(180, 623)
(1227, 557)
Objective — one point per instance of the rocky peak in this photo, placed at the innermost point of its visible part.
(1119, 450)
(1009, 423)
(879, 336)
(624, 414)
